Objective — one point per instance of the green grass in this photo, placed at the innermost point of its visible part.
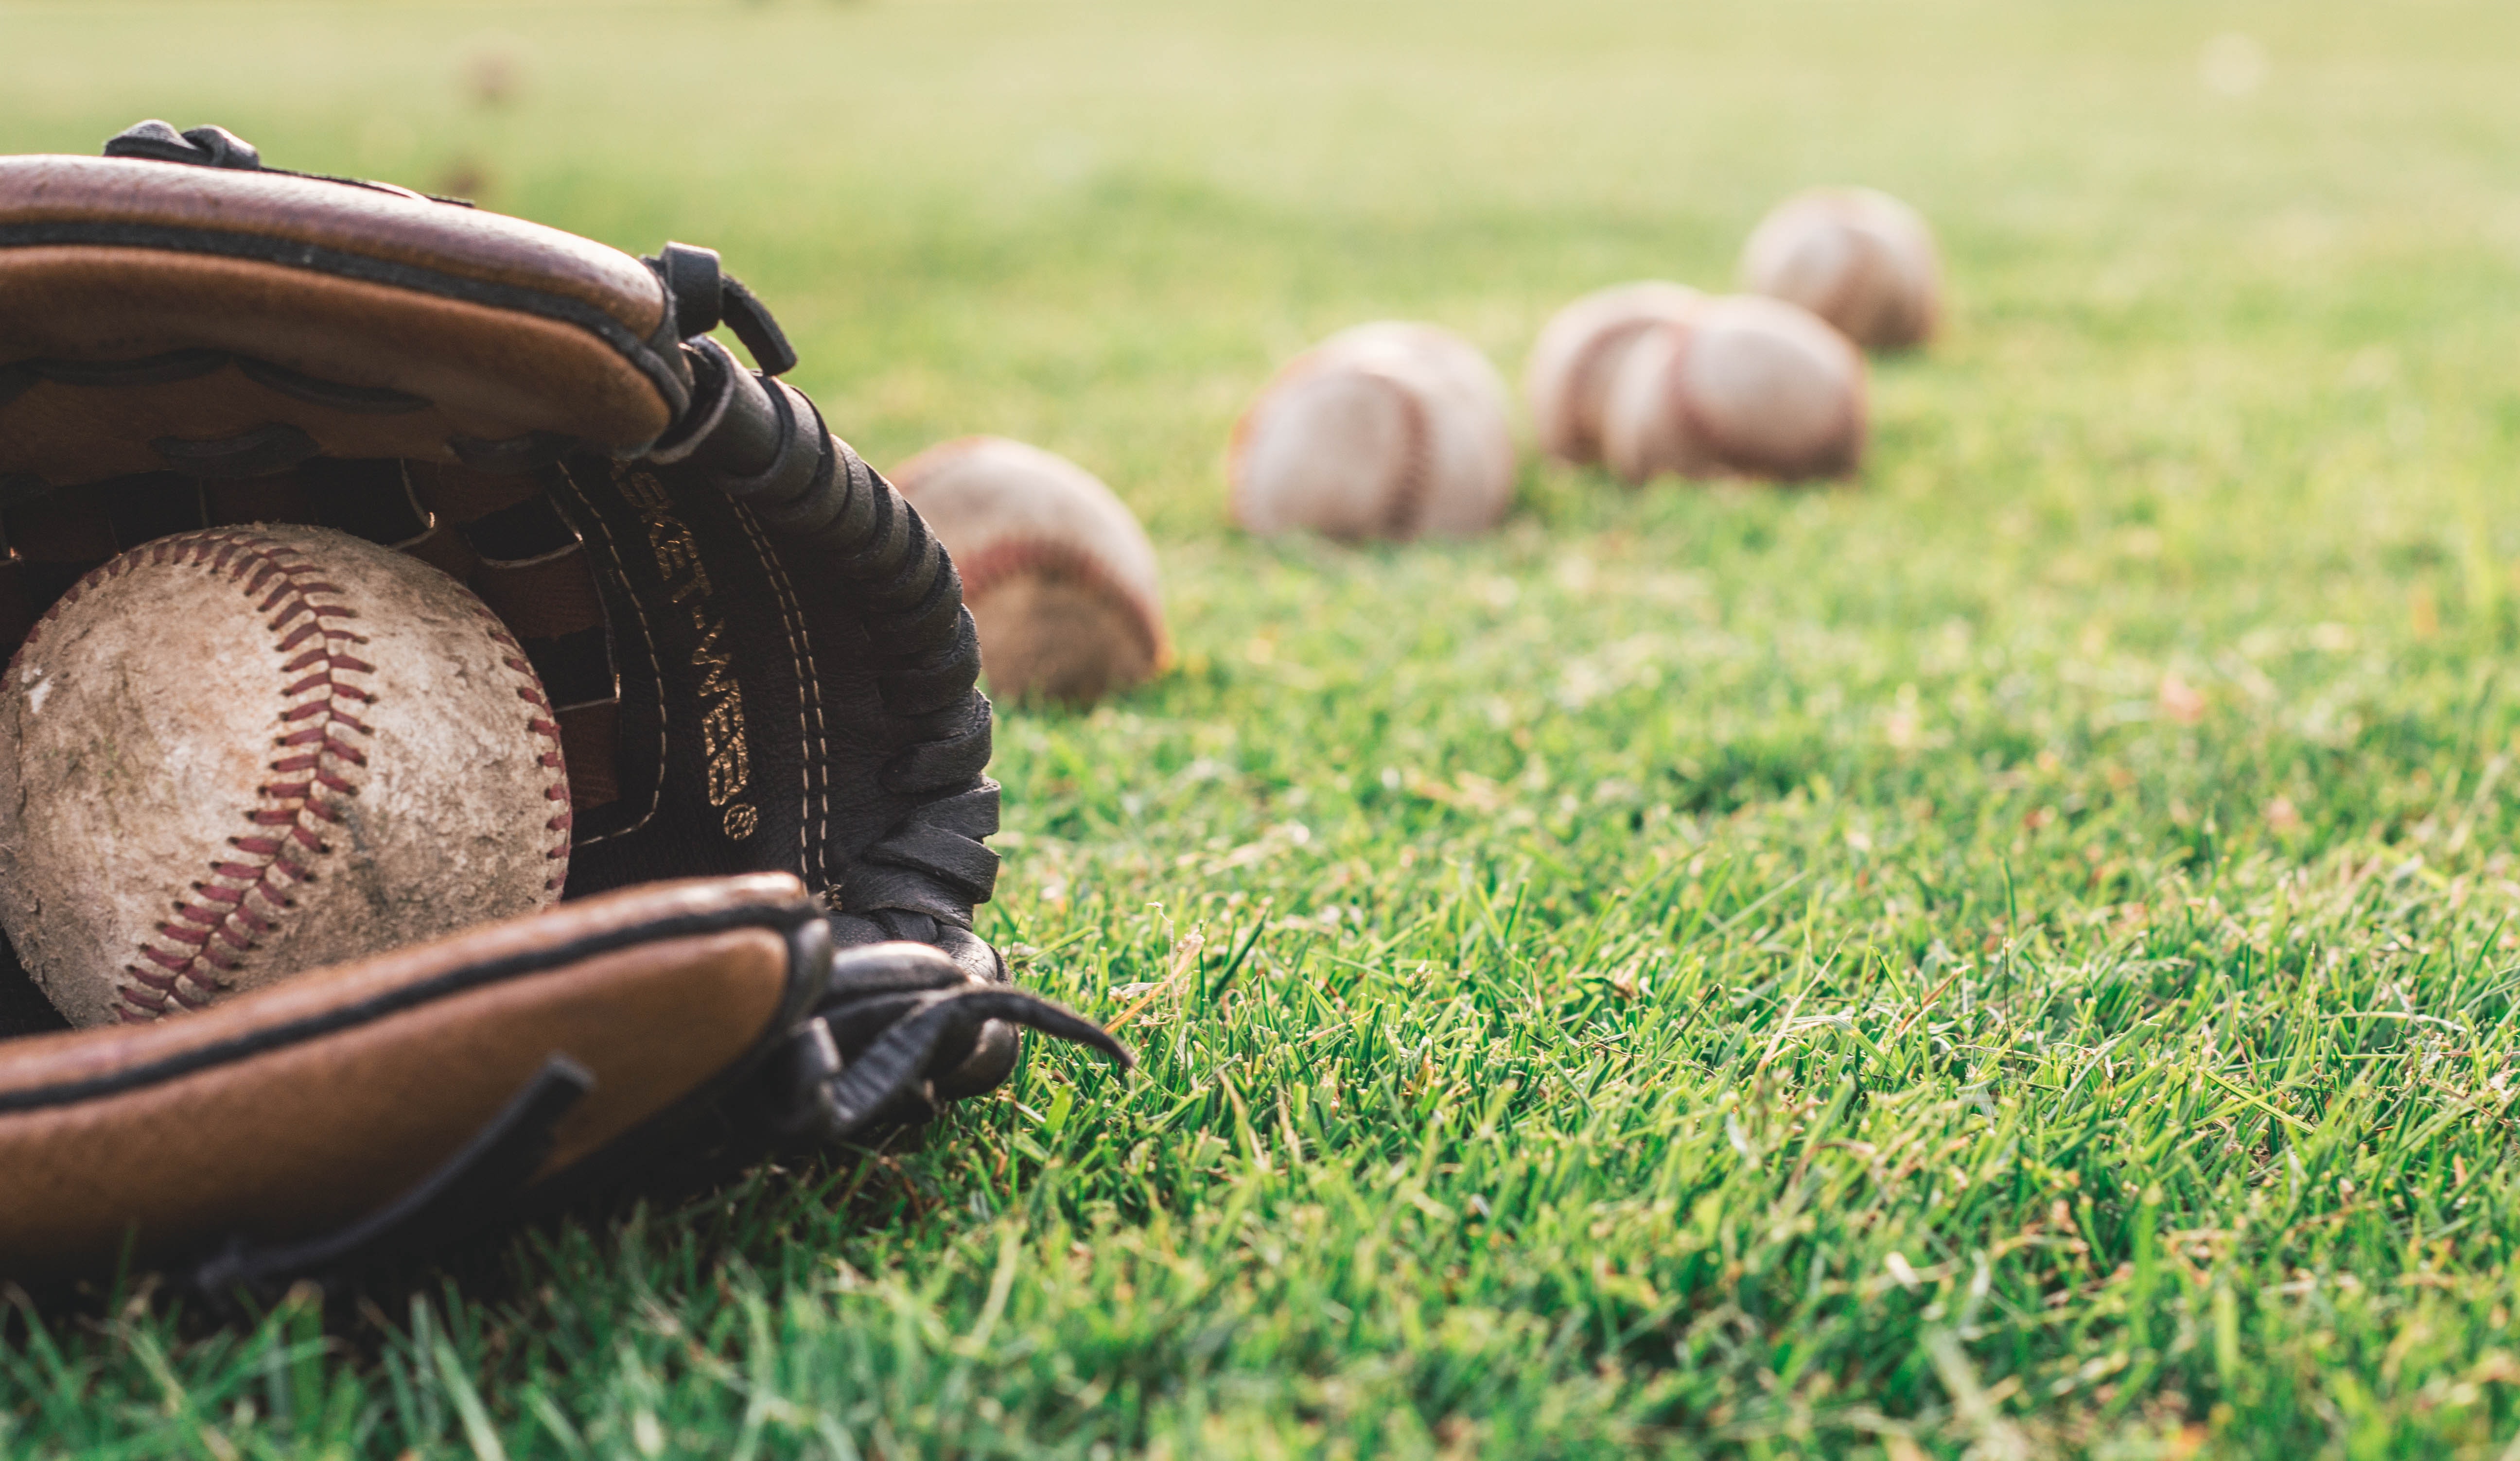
(2016, 954)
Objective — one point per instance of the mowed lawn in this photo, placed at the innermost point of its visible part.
(2011, 956)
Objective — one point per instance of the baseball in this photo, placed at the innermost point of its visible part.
(1860, 259)
(231, 755)
(1387, 430)
(1058, 575)
(1577, 356)
(1746, 387)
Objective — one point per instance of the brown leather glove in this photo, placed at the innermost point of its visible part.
(757, 656)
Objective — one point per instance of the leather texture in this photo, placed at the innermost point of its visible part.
(305, 1104)
(431, 368)
(205, 210)
(414, 329)
(760, 659)
(1060, 577)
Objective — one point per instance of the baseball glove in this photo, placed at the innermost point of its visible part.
(757, 659)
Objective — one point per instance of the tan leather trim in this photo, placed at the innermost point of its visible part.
(489, 373)
(81, 1055)
(311, 1135)
(466, 242)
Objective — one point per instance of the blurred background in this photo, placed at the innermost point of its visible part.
(2226, 397)
(1097, 225)
(2157, 657)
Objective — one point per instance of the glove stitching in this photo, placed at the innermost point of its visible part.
(813, 814)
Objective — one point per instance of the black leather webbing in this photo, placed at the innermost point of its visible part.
(768, 449)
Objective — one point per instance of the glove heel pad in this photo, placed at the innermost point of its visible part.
(302, 1107)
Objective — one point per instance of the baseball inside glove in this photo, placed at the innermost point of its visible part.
(757, 659)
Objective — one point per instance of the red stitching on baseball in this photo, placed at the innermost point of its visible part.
(544, 727)
(1001, 561)
(222, 911)
(1694, 426)
(1405, 512)
(1588, 380)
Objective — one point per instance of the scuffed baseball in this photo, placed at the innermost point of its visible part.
(1387, 430)
(1858, 258)
(233, 755)
(1567, 381)
(1059, 578)
(1745, 387)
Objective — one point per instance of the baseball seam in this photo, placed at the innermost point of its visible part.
(1001, 561)
(240, 899)
(245, 897)
(1405, 512)
(1576, 414)
(1852, 299)
(544, 728)
(1699, 444)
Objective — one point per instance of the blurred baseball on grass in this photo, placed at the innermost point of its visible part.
(1746, 386)
(1567, 380)
(1059, 576)
(1856, 257)
(1392, 430)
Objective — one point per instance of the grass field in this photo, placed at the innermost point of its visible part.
(2014, 957)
